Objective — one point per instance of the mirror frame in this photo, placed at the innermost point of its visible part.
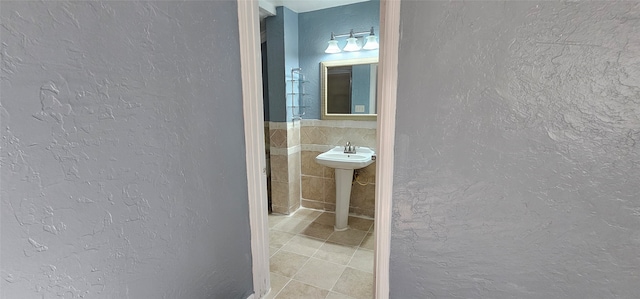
(324, 65)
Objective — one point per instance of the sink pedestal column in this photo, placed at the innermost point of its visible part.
(343, 196)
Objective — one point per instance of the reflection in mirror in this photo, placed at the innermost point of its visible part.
(349, 89)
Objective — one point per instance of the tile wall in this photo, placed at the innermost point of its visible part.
(297, 180)
(284, 151)
(318, 182)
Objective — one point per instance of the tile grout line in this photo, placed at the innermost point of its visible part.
(349, 262)
(316, 251)
(310, 257)
(280, 291)
(306, 262)
(279, 248)
(325, 241)
(346, 265)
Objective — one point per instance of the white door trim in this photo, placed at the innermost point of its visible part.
(250, 62)
(387, 89)
(248, 25)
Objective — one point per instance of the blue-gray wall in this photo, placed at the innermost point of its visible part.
(282, 56)
(360, 87)
(314, 32)
(123, 165)
(517, 165)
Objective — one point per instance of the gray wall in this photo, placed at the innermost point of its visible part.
(517, 168)
(123, 168)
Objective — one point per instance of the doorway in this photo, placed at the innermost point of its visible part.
(254, 139)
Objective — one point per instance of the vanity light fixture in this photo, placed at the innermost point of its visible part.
(371, 42)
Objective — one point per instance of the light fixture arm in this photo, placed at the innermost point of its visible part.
(352, 34)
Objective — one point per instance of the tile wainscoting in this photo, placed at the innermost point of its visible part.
(318, 182)
(297, 180)
(284, 151)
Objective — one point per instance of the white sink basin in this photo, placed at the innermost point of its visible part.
(344, 165)
(336, 158)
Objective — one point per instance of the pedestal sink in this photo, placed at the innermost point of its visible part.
(344, 164)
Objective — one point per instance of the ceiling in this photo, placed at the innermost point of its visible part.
(267, 7)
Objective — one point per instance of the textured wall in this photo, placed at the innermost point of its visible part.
(123, 168)
(291, 60)
(276, 63)
(282, 56)
(314, 32)
(517, 168)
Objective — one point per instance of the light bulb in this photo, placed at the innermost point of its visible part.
(372, 43)
(352, 45)
(333, 47)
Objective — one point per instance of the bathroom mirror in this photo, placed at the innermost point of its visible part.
(348, 89)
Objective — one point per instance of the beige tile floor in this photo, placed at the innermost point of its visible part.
(308, 259)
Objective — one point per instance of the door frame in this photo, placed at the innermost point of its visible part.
(250, 60)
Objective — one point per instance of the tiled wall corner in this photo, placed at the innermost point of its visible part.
(293, 135)
(285, 166)
(294, 180)
(280, 197)
(267, 136)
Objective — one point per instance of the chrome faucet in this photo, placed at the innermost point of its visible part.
(349, 149)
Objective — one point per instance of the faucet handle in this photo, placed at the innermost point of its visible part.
(349, 148)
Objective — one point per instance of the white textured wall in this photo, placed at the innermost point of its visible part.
(518, 151)
(123, 169)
